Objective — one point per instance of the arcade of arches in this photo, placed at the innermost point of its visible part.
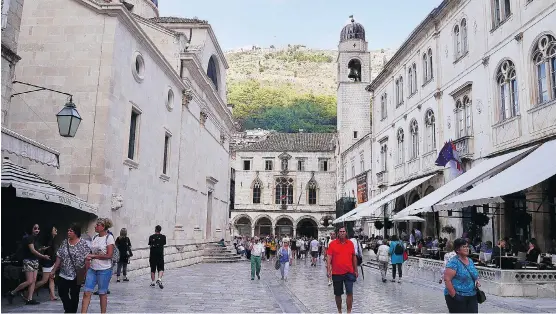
(282, 226)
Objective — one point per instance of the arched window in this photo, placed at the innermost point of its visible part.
(457, 42)
(414, 77)
(463, 117)
(464, 35)
(430, 128)
(507, 85)
(430, 64)
(257, 192)
(312, 191)
(400, 154)
(414, 130)
(397, 92)
(401, 89)
(383, 106)
(544, 58)
(212, 72)
(284, 191)
(354, 67)
(410, 78)
(425, 67)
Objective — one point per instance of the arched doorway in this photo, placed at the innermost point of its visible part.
(243, 226)
(414, 197)
(402, 225)
(263, 227)
(307, 227)
(284, 227)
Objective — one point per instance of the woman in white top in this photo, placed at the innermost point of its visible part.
(100, 261)
(447, 257)
(383, 258)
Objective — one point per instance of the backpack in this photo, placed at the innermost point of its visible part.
(116, 253)
(398, 249)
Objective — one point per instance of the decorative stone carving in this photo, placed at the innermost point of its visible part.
(479, 106)
(187, 97)
(437, 94)
(117, 202)
(485, 60)
(203, 118)
(449, 121)
(222, 138)
(519, 36)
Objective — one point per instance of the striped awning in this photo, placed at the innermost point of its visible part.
(31, 185)
(19, 145)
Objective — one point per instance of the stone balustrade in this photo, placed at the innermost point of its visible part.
(501, 282)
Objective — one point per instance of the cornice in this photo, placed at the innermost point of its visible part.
(193, 65)
(409, 44)
(118, 10)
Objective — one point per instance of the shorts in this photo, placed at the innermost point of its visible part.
(100, 278)
(339, 281)
(314, 254)
(47, 269)
(156, 263)
(30, 265)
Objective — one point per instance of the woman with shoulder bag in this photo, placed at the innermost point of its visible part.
(124, 246)
(461, 279)
(70, 259)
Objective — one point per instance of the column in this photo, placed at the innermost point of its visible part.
(252, 231)
(540, 222)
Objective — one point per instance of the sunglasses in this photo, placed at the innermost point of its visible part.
(36, 228)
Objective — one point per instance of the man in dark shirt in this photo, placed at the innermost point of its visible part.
(157, 241)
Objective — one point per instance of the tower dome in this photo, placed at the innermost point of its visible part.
(352, 30)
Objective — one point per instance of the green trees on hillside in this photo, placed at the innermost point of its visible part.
(281, 108)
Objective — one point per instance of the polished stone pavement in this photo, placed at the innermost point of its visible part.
(228, 288)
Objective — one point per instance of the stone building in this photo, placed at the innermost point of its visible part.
(153, 145)
(480, 73)
(285, 185)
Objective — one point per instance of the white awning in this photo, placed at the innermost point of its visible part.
(536, 167)
(367, 204)
(372, 212)
(31, 185)
(484, 169)
(409, 218)
(22, 146)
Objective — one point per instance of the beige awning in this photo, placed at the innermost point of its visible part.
(22, 146)
(31, 185)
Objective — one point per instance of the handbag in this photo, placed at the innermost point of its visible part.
(80, 273)
(405, 255)
(277, 264)
(481, 296)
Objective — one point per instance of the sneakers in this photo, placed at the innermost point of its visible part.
(32, 302)
(117, 280)
(399, 280)
(252, 278)
(152, 284)
(393, 280)
(159, 283)
(384, 280)
(125, 279)
(330, 281)
(259, 277)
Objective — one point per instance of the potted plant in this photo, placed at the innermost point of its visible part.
(448, 230)
(379, 225)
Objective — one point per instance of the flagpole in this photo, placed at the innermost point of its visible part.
(299, 199)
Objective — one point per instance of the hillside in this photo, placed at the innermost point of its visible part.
(288, 89)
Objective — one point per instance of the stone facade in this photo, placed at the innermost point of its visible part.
(11, 21)
(153, 146)
(462, 53)
(262, 208)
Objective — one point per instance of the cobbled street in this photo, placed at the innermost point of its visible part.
(227, 288)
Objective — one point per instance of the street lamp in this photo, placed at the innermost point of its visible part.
(68, 118)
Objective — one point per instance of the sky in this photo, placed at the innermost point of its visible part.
(313, 23)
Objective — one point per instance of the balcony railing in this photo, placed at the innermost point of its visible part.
(464, 146)
(429, 159)
(382, 178)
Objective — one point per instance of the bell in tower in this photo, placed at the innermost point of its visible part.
(354, 67)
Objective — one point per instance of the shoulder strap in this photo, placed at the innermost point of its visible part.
(467, 270)
(69, 253)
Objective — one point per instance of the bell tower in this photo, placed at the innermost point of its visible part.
(354, 74)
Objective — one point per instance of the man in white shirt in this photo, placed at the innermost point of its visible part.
(314, 251)
(257, 251)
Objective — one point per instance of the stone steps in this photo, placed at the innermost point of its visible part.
(214, 253)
